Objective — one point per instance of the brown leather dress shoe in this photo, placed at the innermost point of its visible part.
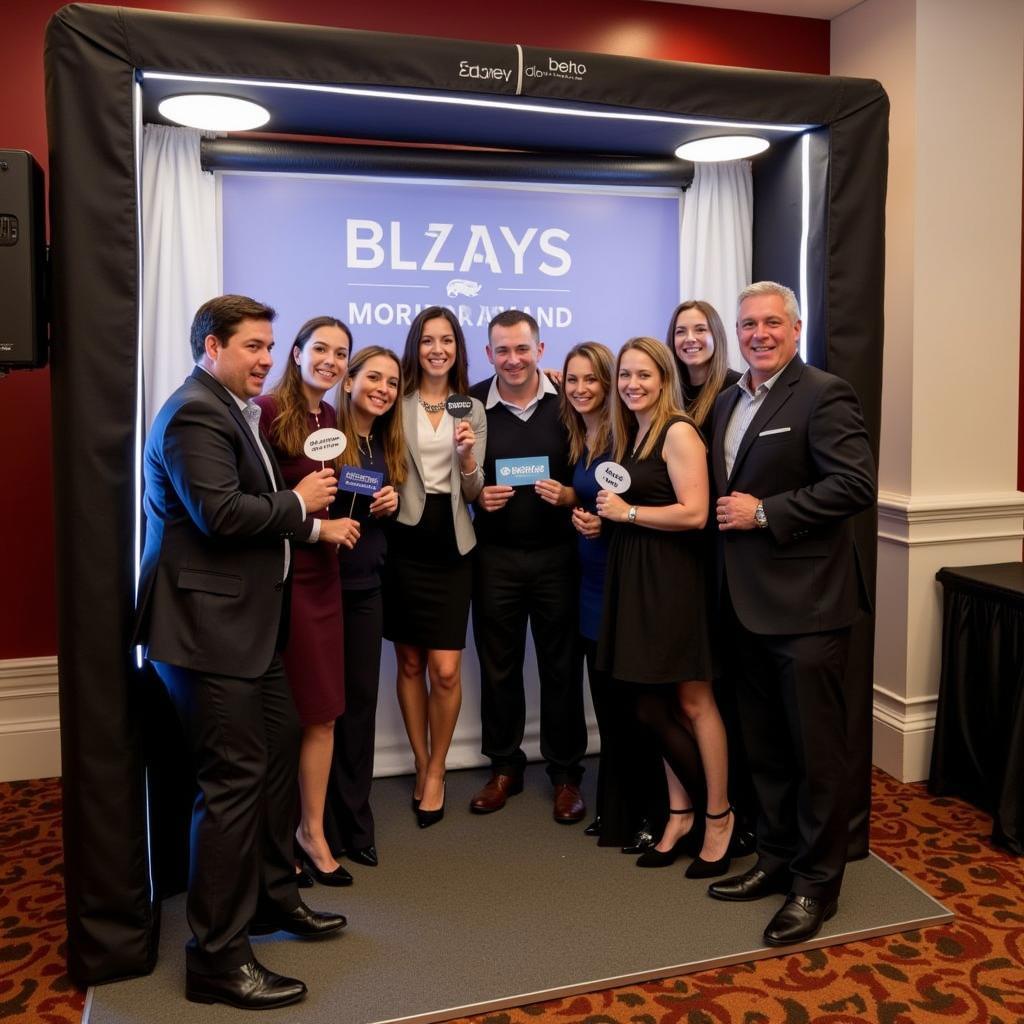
(495, 794)
(569, 806)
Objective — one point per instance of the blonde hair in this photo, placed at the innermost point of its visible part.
(389, 423)
(669, 403)
(601, 359)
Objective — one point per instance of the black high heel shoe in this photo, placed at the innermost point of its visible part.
(655, 858)
(701, 868)
(338, 877)
(643, 839)
(427, 818)
(594, 828)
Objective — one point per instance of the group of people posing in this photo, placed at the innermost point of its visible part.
(729, 556)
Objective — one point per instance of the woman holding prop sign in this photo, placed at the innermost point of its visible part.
(655, 621)
(429, 575)
(371, 418)
(293, 410)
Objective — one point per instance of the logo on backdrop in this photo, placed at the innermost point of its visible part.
(484, 72)
(519, 472)
(554, 67)
(506, 262)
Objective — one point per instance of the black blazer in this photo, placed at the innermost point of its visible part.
(211, 589)
(806, 455)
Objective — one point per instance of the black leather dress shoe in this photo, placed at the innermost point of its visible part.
(306, 923)
(643, 839)
(366, 855)
(798, 919)
(594, 828)
(249, 987)
(751, 885)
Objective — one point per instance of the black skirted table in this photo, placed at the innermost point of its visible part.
(978, 752)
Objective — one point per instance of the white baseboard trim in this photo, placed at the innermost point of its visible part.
(29, 719)
(902, 734)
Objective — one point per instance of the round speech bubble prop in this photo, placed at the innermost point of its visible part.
(324, 444)
(612, 477)
(458, 406)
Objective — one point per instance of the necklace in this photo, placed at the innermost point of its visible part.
(431, 406)
(316, 416)
(359, 444)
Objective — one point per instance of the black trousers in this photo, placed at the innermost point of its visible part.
(513, 586)
(792, 710)
(348, 821)
(243, 737)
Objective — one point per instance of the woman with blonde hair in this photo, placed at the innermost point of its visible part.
(655, 633)
(370, 415)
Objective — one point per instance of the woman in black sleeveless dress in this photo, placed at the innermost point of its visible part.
(655, 629)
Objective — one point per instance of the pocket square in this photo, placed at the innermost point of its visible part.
(777, 430)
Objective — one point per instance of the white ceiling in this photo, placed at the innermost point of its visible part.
(826, 9)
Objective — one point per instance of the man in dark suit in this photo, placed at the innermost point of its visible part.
(212, 590)
(791, 464)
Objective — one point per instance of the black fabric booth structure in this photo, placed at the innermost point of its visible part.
(96, 93)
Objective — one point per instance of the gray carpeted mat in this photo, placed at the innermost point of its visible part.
(481, 912)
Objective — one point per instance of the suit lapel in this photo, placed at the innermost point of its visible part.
(775, 399)
(218, 389)
(410, 415)
(718, 441)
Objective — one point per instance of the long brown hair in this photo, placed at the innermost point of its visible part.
(602, 361)
(458, 375)
(290, 428)
(700, 408)
(669, 402)
(388, 424)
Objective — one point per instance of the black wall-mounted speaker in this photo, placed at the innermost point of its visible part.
(23, 322)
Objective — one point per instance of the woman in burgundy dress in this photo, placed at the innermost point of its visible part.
(314, 655)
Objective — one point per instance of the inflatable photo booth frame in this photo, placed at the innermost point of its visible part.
(96, 61)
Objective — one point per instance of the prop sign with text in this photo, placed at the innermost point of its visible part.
(520, 472)
(612, 477)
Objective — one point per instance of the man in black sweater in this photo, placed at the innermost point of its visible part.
(525, 570)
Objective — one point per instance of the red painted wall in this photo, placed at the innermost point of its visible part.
(629, 27)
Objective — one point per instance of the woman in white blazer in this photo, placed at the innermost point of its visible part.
(429, 574)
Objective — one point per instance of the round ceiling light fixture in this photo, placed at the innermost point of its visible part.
(722, 147)
(214, 113)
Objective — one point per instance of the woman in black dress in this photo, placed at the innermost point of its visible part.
(655, 632)
(697, 336)
(371, 416)
(429, 571)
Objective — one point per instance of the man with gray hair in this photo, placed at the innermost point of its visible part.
(791, 466)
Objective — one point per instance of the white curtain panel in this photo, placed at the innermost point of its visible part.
(180, 255)
(716, 241)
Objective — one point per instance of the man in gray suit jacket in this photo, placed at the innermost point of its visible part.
(212, 600)
(791, 465)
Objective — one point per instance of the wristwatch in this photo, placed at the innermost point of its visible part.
(760, 516)
(631, 514)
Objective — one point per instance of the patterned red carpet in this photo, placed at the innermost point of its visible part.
(970, 971)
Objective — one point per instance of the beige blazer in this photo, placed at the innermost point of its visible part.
(464, 489)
